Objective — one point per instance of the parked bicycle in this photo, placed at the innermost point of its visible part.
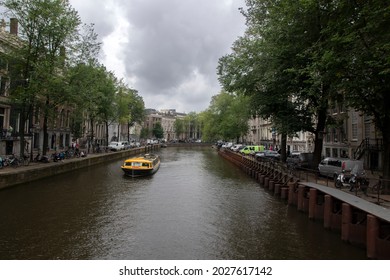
(2, 162)
(377, 188)
(13, 161)
(24, 160)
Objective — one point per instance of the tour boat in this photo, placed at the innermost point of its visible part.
(141, 166)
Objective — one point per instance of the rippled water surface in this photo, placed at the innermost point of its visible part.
(197, 206)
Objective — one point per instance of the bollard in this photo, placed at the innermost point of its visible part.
(261, 179)
(292, 197)
(284, 193)
(301, 198)
(372, 235)
(266, 182)
(277, 189)
(328, 211)
(291, 193)
(271, 185)
(312, 203)
(346, 222)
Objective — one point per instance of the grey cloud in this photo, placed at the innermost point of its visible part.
(93, 12)
(168, 41)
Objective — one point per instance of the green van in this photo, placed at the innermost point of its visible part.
(251, 150)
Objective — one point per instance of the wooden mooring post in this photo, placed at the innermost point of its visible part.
(359, 221)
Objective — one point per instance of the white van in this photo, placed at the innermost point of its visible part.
(118, 146)
(331, 167)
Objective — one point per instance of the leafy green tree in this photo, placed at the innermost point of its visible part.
(360, 48)
(190, 122)
(226, 118)
(158, 131)
(281, 63)
(95, 88)
(144, 133)
(46, 28)
(179, 127)
(130, 106)
(209, 131)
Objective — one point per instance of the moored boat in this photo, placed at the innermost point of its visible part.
(145, 165)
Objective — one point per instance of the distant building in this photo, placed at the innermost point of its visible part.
(356, 137)
(167, 119)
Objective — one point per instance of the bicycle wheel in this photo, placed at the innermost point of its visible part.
(15, 163)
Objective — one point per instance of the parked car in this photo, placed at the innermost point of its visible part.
(274, 155)
(227, 145)
(300, 160)
(332, 167)
(117, 146)
(126, 145)
(237, 147)
(114, 146)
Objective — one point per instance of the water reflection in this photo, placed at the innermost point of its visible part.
(197, 206)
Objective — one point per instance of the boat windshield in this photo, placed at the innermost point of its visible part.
(137, 164)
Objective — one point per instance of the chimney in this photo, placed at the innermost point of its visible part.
(13, 27)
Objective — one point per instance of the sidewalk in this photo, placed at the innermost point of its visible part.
(11, 176)
(383, 200)
(40, 165)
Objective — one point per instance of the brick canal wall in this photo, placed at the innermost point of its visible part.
(10, 176)
(359, 222)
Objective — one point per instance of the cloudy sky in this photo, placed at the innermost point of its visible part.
(168, 50)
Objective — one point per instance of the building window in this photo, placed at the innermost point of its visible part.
(367, 126)
(335, 152)
(62, 119)
(354, 126)
(327, 136)
(335, 134)
(2, 118)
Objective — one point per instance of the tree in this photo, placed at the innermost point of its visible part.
(158, 131)
(47, 27)
(281, 64)
(226, 118)
(144, 133)
(179, 127)
(361, 50)
(130, 106)
(96, 89)
(190, 123)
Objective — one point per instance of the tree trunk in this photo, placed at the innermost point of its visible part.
(283, 146)
(45, 128)
(91, 137)
(45, 136)
(106, 134)
(319, 138)
(22, 123)
(386, 162)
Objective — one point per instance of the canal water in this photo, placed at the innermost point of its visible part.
(197, 206)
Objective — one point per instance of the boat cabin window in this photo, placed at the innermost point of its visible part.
(136, 164)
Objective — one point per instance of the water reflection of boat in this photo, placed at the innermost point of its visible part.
(141, 166)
